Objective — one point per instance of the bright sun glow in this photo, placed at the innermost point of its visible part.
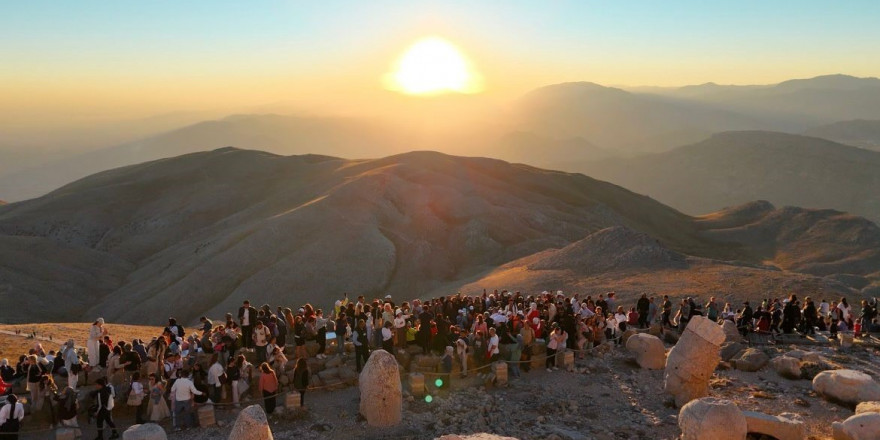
(433, 66)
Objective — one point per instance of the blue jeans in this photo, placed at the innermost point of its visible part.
(184, 417)
(340, 343)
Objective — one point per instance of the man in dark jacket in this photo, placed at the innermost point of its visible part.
(104, 400)
(642, 306)
(361, 344)
(247, 318)
(745, 320)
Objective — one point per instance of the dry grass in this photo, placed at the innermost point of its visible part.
(13, 346)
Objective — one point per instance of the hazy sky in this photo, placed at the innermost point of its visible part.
(79, 60)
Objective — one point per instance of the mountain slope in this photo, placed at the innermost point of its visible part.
(737, 167)
(228, 224)
(859, 133)
(199, 233)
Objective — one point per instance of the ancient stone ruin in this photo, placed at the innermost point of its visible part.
(147, 431)
(693, 359)
(711, 418)
(381, 390)
(649, 350)
(251, 424)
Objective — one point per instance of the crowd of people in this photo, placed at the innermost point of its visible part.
(161, 378)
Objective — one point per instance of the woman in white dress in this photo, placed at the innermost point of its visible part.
(96, 334)
(158, 409)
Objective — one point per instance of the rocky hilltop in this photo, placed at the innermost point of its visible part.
(199, 233)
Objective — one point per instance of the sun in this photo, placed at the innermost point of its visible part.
(433, 66)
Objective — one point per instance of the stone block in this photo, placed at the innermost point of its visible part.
(292, 400)
(711, 418)
(206, 416)
(785, 426)
(499, 369)
(568, 360)
(417, 384)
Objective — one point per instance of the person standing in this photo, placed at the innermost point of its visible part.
(183, 391)
(301, 379)
(268, 386)
(11, 416)
(321, 336)
(340, 329)
(247, 317)
(71, 364)
(261, 338)
(158, 408)
(552, 344)
(461, 348)
(642, 306)
(666, 306)
(361, 344)
(34, 373)
(136, 397)
(712, 310)
(214, 381)
(811, 316)
(104, 396)
(96, 335)
(388, 337)
(493, 346)
(652, 311)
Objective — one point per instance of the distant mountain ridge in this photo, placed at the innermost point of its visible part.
(556, 123)
(858, 133)
(737, 167)
(196, 234)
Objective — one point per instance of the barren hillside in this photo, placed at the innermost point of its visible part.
(199, 233)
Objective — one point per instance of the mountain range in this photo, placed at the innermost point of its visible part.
(737, 167)
(556, 124)
(859, 133)
(198, 233)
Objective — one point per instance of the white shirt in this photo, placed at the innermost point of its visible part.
(824, 308)
(261, 336)
(399, 322)
(493, 345)
(246, 317)
(137, 388)
(70, 358)
(844, 311)
(184, 390)
(17, 413)
(214, 374)
(386, 334)
(171, 368)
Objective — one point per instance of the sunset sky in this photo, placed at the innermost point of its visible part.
(91, 59)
